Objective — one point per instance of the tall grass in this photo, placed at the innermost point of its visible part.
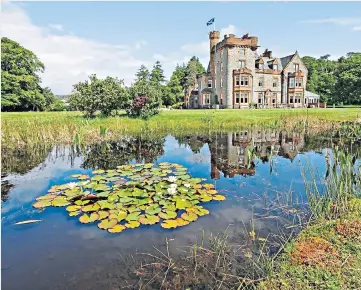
(342, 183)
(20, 129)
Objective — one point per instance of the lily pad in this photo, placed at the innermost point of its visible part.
(42, 204)
(190, 216)
(116, 229)
(73, 208)
(148, 219)
(132, 224)
(106, 224)
(85, 218)
(219, 197)
(133, 216)
(60, 201)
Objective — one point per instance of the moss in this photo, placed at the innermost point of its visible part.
(323, 256)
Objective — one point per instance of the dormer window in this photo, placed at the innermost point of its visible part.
(210, 84)
(275, 66)
(242, 51)
(260, 66)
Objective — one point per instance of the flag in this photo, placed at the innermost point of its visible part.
(210, 22)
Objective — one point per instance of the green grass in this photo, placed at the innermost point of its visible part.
(63, 127)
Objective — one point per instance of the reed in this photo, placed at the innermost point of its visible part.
(19, 129)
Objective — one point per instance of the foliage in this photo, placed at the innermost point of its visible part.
(104, 95)
(337, 82)
(133, 194)
(20, 80)
(145, 93)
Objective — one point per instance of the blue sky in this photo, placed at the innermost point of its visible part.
(74, 39)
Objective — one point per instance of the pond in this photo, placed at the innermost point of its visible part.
(258, 171)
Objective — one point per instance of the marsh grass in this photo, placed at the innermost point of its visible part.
(20, 129)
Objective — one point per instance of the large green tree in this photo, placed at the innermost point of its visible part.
(105, 95)
(20, 80)
(145, 95)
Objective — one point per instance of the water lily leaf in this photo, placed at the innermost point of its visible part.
(75, 175)
(195, 180)
(125, 199)
(208, 186)
(116, 229)
(103, 214)
(98, 178)
(73, 208)
(101, 187)
(46, 197)
(60, 201)
(113, 198)
(194, 201)
(103, 194)
(83, 176)
(85, 218)
(219, 197)
(139, 193)
(170, 207)
(142, 201)
(184, 177)
(106, 224)
(167, 215)
(121, 215)
(123, 193)
(182, 189)
(199, 210)
(75, 213)
(182, 222)
(132, 224)
(91, 207)
(197, 185)
(190, 216)
(99, 171)
(105, 204)
(173, 223)
(82, 202)
(148, 165)
(206, 198)
(133, 216)
(212, 191)
(183, 203)
(148, 219)
(153, 209)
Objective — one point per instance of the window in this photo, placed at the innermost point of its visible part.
(237, 98)
(299, 82)
(244, 80)
(209, 83)
(260, 82)
(221, 101)
(292, 83)
(291, 99)
(274, 83)
(221, 66)
(298, 98)
(244, 98)
(242, 64)
(260, 65)
(259, 98)
(242, 51)
(297, 67)
(275, 66)
(237, 81)
(274, 98)
(207, 99)
(221, 82)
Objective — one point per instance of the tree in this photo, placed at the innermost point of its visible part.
(145, 96)
(104, 95)
(348, 84)
(20, 80)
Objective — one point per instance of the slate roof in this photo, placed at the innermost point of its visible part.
(285, 60)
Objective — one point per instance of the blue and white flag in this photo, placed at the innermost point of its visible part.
(210, 22)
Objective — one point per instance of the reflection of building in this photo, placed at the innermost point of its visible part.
(234, 153)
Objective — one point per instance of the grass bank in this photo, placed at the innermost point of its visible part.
(66, 127)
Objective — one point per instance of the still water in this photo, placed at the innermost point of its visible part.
(251, 168)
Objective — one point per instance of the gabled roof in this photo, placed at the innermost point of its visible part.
(285, 60)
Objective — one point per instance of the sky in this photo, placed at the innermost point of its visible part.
(76, 39)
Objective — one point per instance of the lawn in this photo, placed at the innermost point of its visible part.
(64, 127)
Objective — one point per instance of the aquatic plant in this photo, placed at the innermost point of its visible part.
(133, 194)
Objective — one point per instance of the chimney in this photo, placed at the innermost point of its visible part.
(267, 53)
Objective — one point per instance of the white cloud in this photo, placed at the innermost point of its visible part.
(343, 21)
(230, 29)
(141, 43)
(201, 48)
(68, 58)
(356, 28)
(56, 27)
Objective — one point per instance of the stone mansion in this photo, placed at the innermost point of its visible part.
(237, 77)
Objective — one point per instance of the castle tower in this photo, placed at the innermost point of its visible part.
(213, 40)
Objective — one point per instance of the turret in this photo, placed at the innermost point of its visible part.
(213, 39)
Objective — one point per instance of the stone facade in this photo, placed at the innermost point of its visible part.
(238, 77)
